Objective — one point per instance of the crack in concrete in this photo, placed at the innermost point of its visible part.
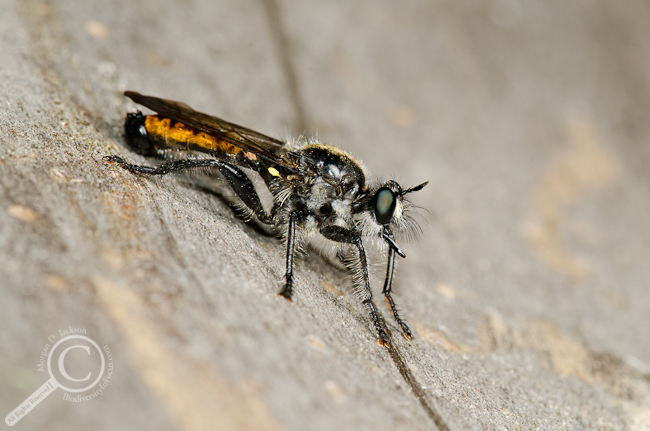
(281, 42)
(417, 389)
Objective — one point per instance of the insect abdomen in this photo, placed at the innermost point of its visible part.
(147, 134)
(137, 136)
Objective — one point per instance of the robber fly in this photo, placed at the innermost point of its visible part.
(318, 190)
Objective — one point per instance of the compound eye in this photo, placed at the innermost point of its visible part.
(384, 205)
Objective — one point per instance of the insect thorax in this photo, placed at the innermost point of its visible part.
(336, 180)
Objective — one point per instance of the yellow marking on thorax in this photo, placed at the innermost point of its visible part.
(161, 128)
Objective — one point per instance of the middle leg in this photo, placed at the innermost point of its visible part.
(287, 290)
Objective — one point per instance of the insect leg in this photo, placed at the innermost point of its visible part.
(165, 168)
(238, 180)
(389, 299)
(383, 338)
(291, 239)
(339, 234)
(243, 187)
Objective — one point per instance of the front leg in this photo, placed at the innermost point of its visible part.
(339, 234)
(389, 299)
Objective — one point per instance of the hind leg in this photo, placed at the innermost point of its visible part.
(237, 179)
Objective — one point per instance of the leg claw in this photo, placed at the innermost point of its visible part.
(286, 293)
(383, 339)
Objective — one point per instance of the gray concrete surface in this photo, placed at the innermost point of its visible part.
(528, 291)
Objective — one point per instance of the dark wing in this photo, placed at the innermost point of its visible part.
(261, 145)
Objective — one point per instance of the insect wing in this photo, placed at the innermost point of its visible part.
(264, 146)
